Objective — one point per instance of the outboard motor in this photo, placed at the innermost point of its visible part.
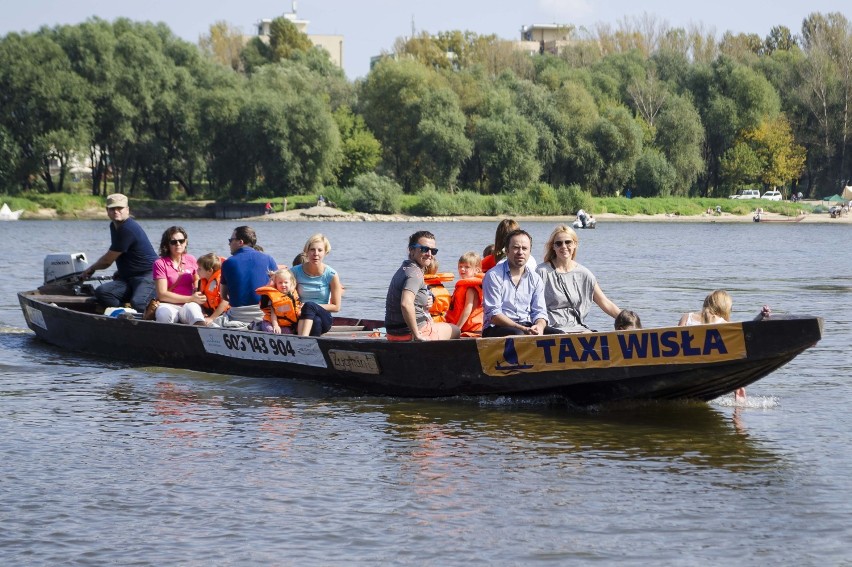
(63, 275)
(64, 268)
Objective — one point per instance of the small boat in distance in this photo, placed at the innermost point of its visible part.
(8, 214)
(759, 217)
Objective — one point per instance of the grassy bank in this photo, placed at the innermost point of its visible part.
(530, 203)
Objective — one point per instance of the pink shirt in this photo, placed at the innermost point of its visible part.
(164, 269)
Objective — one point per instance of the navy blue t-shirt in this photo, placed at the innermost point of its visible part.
(137, 255)
(245, 271)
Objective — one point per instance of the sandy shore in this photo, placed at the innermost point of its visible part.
(334, 215)
(330, 214)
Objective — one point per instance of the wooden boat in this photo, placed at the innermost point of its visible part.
(701, 362)
(761, 218)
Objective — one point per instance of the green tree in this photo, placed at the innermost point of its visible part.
(43, 106)
(418, 121)
(617, 138)
(285, 39)
(782, 160)
(362, 152)
(506, 147)
(680, 137)
(655, 176)
(223, 45)
(740, 166)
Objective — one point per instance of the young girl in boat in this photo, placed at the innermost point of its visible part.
(280, 303)
(716, 309)
(466, 304)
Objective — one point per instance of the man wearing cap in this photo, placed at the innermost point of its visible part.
(134, 258)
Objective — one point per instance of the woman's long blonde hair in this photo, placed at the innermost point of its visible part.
(717, 304)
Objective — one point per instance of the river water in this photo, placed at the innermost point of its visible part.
(102, 462)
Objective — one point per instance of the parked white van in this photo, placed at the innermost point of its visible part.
(746, 194)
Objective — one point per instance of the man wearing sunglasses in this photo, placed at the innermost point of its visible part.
(134, 259)
(407, 304)
(246, 270)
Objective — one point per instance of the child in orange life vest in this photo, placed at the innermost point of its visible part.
(210, 274)
(440, 295)
(466, 305)
(279, 302)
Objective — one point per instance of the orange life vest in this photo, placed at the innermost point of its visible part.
(210, 288)
(287, 306)
(473, 325)
(441, 294)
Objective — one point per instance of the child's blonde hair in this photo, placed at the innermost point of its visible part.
(210, 262)
(471, 259)
(717, 304)
(283, 273)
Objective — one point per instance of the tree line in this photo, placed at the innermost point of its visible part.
(662, 111)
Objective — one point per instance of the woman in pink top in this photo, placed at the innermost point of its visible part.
(176, 278)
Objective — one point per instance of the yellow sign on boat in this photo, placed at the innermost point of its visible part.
(675, 345)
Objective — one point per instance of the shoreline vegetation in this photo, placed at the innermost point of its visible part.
(81, 207)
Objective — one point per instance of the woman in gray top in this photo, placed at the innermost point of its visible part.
(569, 288)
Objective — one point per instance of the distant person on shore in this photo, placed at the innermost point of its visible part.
(569, 287)
(407, 302)
(134, 259)
(716, 309)
(246, 270)
(175, 275)
(513, 294)
(319, 288)
(627, 320)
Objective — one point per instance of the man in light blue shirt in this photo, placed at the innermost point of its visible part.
(513, 294)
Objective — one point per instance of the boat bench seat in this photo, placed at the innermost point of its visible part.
(68, 299)
(345, 328)
(349, 334)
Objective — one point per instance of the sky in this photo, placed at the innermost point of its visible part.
(370, 27)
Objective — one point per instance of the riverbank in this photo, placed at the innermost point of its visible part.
(196, 209)
(331, 214)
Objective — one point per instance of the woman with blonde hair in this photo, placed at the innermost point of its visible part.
(569, 287)
(716, 309)
(319, 288)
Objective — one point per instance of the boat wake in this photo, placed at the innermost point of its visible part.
(751, 402)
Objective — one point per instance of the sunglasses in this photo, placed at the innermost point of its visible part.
(424, 249)
(559, 243)
(232, 240)
(176, 241)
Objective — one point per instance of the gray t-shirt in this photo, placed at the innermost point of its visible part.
(409, 276)
(568, 296)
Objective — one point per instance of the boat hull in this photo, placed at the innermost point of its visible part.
(670, 363)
